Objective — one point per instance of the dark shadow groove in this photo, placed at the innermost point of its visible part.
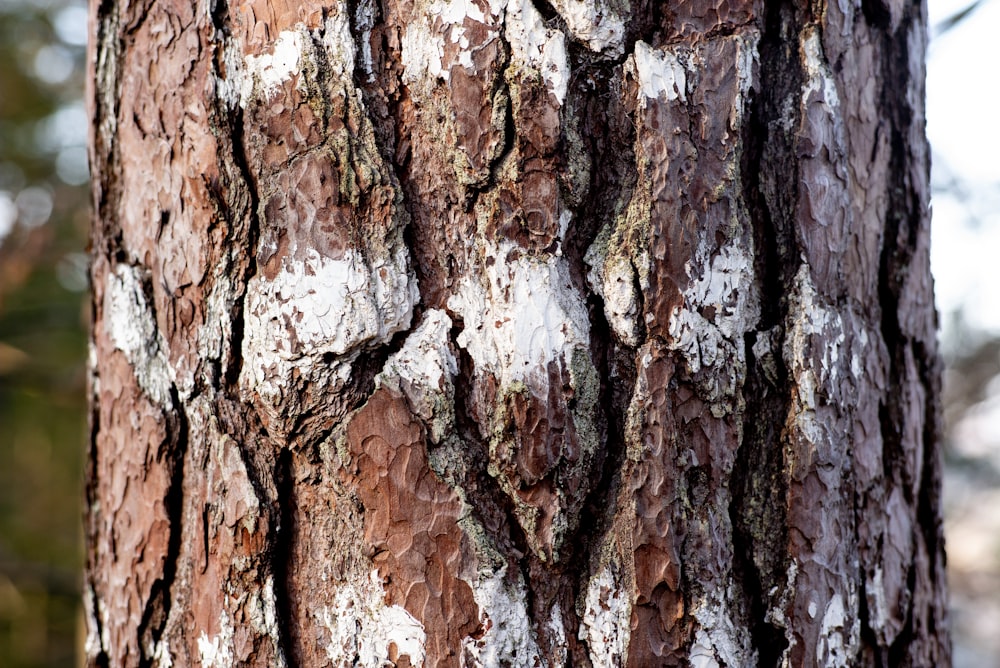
(172, 454)
(282, 557)
(769, 168)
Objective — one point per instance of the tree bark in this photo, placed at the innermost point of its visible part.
(512, 333)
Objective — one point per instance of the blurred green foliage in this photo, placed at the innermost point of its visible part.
(43, 226)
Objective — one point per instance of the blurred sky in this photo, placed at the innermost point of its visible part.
(963, 98)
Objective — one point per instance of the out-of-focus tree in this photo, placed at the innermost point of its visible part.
(43, 171)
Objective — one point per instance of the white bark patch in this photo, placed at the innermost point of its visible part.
(810, 318)
(230, 88)
(747, 58)
(424, 40)
(261, 76)
(503, 612)
(319, 306)
(701, 655)
(216, 330)
(365, 18)
(362, 627)
(338, 42)
(856, 367)
(93, 378)
(538, 47)
(161, 655)
(818, 76)
(719, 639)
(92, 643)
(605, 626)
(262, 607)
(105, 625)
(877, 603)
(129, 323)
(557, 634)
(265, 73)
(422, 54)
(217, 651)
(726, 285)
(719, 307)
(423, 370)
(594, 23)
(533, 45)
(520, 315)
(659, 73)
(834, 648)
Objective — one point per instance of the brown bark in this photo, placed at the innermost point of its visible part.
(468, 333)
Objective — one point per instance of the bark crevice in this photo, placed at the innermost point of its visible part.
(252, 235)
(157, 605)
(758, 485)
(228, 127)
(91, 486)
(283, 556)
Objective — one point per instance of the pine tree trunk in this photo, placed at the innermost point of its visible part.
(512, 333)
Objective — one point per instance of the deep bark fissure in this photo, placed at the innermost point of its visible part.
(157, 605)
(900, 647)
(500, 86)
(552, 18)
(359, 75)
(877, 13)
(139, 16)
(899, 246)
(104, 151)
(282, 555)
(605, 192)
(101, 660)
(325, 83)
(757, 508)
(361, 386)
(485, 492)
(614, 394)
(930, 501)
(228, 125)
(758, 485)
(252, 234)
(266, 468)
(253, 442)
(774, 187)
(869, 641)
(903, 218)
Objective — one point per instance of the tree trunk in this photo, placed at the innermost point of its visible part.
(454, 332)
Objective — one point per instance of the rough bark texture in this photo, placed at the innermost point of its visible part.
(512, 333)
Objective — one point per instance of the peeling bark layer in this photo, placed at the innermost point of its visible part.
(468, 333)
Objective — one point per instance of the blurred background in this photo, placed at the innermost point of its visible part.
(963, 97)
(43, 282)
(43, 314)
